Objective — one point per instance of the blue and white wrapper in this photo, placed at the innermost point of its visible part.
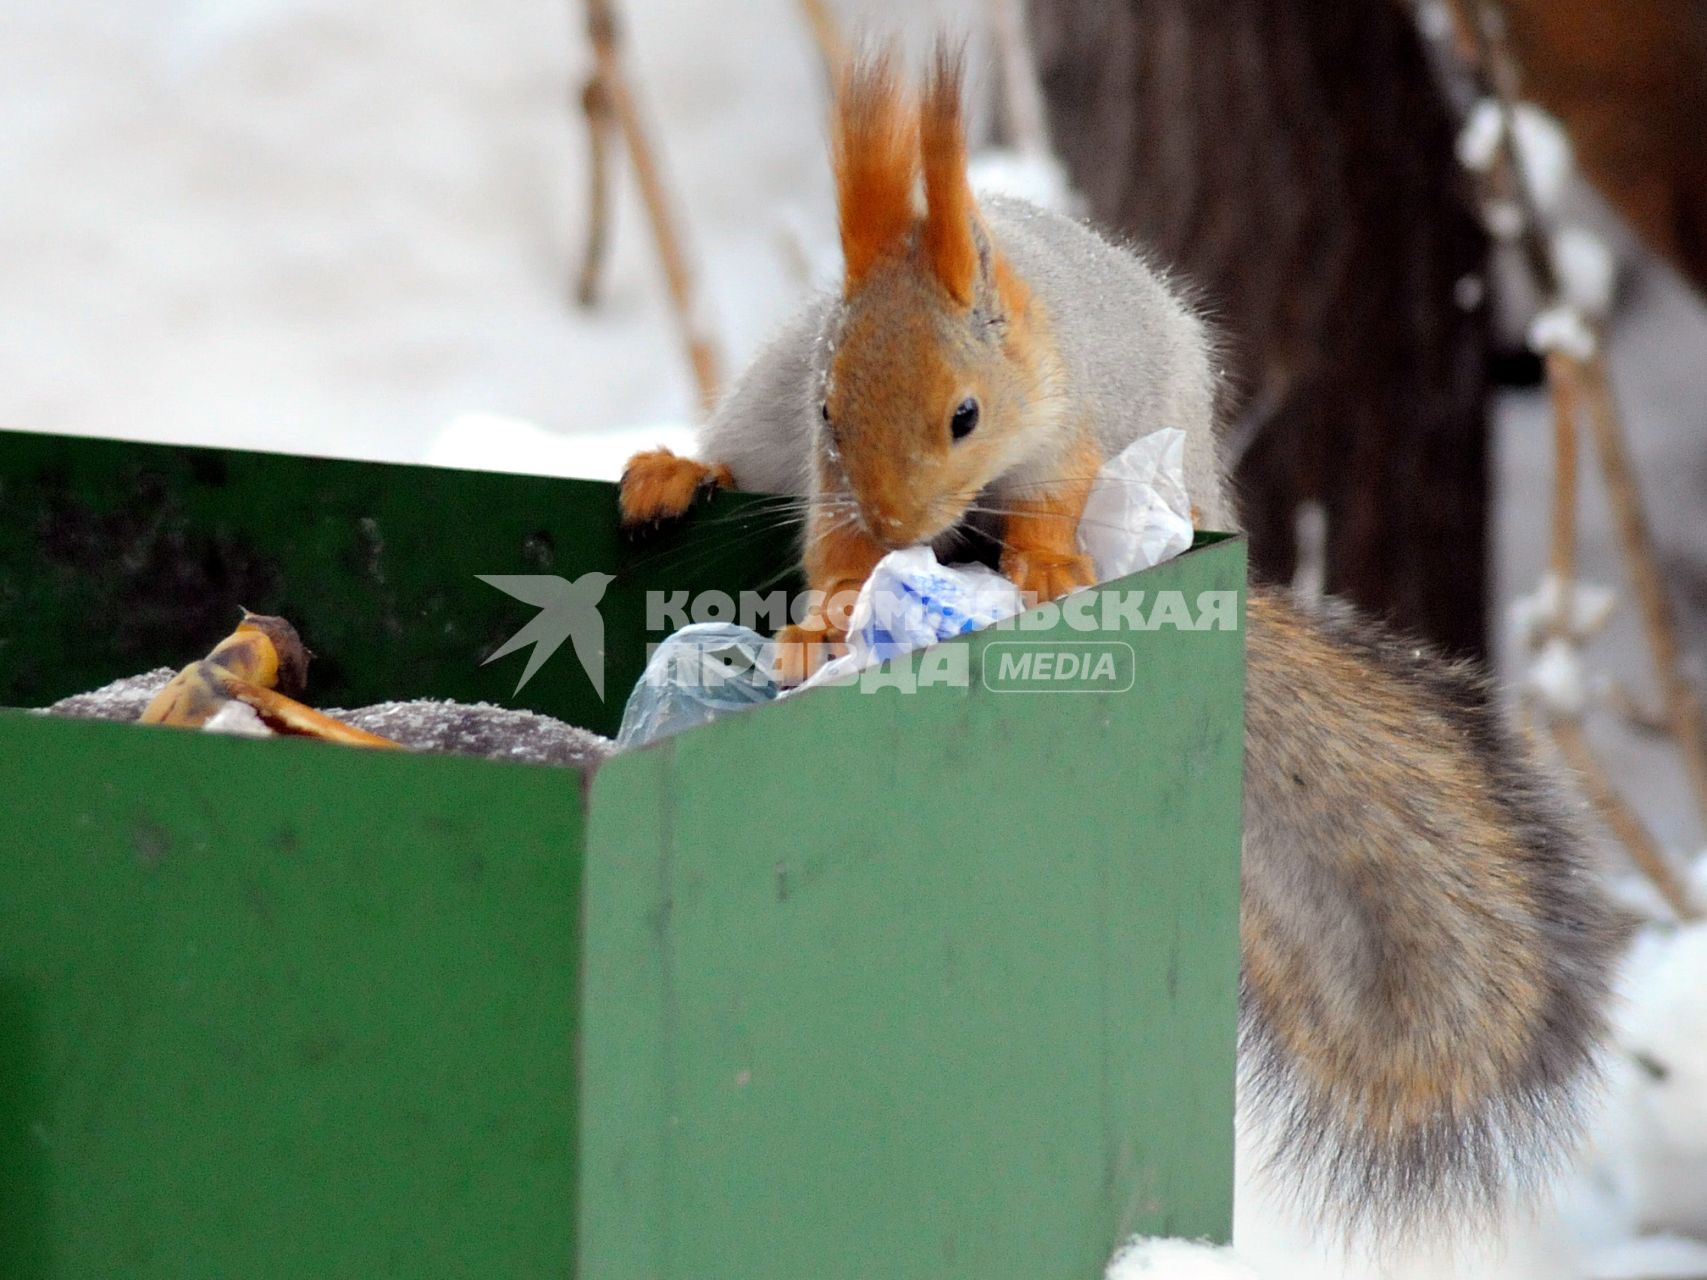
(910, 601)
(1137, 515)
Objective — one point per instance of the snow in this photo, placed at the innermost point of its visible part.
(1556, 678)
(1481, 135)
(239, 720)
(1587, 270)
(1543, 149)
(124, 699)
(1612, 1217)
(1661, 1257)
(1545, 153)
(1435, 19)
(1001, 171)
(481, 729)
(334, 228)
(491, 441)
(499, 733)
(1657, 1147)
(1504, 220)
(1564, 330)
(1532, 617)
(1176, 1260)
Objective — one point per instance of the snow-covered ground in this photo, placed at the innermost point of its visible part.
(327, 226)
(350, 227)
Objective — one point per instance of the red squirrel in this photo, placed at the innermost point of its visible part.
(1426, 954)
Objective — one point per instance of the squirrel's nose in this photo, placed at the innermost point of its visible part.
(888, 528)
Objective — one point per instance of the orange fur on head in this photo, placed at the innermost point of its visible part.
(949, 207)
(876, 156)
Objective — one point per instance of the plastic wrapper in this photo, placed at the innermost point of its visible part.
(696, 675)
(910, 601)
(1138, 514)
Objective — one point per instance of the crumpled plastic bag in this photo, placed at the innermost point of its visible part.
(697, 674)
(912, 600)
(1138, 514)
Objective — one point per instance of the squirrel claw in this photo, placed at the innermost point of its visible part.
(658, 487)
(801, 652)
(1047, 575)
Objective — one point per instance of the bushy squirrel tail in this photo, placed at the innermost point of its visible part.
(1427, 950)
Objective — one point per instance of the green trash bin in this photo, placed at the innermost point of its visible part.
(931, 979)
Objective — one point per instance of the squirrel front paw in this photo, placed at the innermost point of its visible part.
(659, 486)
(1047, 575)
(801, 651)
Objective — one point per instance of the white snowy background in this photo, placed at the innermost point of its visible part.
(350, 227)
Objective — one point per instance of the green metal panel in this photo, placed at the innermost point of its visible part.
(928, 984)
(117, 557)
(864, 983)
(273, 1009)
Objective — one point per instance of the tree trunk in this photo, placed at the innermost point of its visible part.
(1294, 162)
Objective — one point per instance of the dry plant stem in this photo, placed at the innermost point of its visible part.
(1022, 98)
(1633, 712)
(1586, 384)
(1683, 707)
(1619, 818)
(1463, 35)
(595, 102)
(678, 275)
(827, 32)
(1562, 559)
(1498, 71)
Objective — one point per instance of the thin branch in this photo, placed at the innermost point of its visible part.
(1642, 561)
(595, 102)
(678, 275)
(1562, 557)
(1633, 712)
(1578, 385)
(1620, 818)
(1497, 70)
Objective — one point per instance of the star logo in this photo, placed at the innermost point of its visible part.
(567, 611)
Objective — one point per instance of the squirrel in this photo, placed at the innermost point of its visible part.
(1426, 953)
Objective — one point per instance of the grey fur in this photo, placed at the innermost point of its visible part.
(1137, 360)
(763, 429)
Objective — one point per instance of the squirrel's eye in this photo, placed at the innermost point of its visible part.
(965, 418)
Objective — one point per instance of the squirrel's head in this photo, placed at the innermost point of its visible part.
(933, 377)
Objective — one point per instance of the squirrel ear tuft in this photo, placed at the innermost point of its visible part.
(949, 207)
(876, 157)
